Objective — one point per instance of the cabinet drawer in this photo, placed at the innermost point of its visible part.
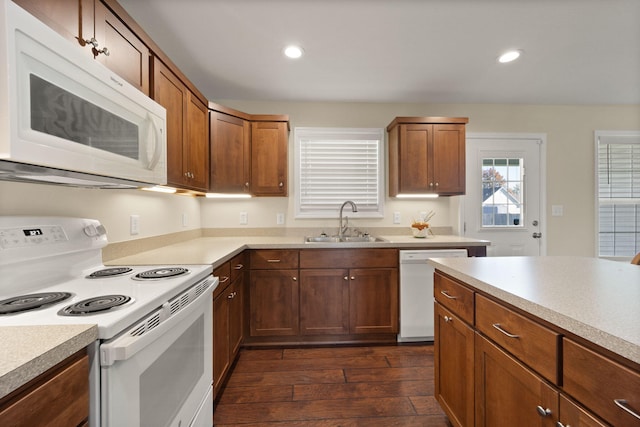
(237, 265)
(454, 296)
(267, 259)
(598, 383)
(348, 258)
(530, 342)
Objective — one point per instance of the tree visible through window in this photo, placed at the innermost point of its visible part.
(502, 204)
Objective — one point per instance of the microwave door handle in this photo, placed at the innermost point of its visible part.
(155, 136)
(128, 344)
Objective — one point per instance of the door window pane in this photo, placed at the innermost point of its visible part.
(502, 192)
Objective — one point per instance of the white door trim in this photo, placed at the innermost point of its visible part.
(543, 177)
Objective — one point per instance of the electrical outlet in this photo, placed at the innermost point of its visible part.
(397, 218)
(185, 220)
(280, 218)
(134, 224)
(244, 218)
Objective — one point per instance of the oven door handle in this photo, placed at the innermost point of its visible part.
(133, 340)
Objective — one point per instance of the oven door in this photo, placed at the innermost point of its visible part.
(161, 375)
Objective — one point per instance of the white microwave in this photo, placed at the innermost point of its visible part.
(65, 118)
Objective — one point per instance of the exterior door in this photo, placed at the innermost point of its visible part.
(505, 185)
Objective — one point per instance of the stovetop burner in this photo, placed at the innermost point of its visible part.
(161, 273)
(31, 301)
(109, 272)
(94, 305)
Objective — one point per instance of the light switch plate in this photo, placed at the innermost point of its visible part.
(280, 218)
(557, 210)
(244, 218)
(397, 218)
(134, 224)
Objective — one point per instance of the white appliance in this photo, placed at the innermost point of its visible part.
(416, 292)
(152, 363)
(67, 119)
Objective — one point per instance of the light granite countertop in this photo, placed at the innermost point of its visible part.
(28, 351)
(216, 250)
(595, 299)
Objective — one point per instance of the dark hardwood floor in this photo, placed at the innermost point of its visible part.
(331, 387)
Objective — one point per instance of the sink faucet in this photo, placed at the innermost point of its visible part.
(354, 208)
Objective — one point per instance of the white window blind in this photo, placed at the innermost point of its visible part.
(335, 165)
(618, 175)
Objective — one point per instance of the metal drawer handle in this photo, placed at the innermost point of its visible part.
(543, 412)
(446, 294)
(238, 267)
(448, 319)
(497, 326)
(224, 279)
(273, 260)
(624, 405)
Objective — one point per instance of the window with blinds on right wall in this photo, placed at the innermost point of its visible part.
(618, 193)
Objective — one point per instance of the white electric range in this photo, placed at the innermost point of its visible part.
(149, 318)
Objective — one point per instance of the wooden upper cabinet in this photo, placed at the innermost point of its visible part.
(269, 143)
(82, 20)
(427, 155)
(128, 56)
(187, 130)
(230, 146)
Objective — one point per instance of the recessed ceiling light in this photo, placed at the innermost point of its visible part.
(293, 51)
(509, 56)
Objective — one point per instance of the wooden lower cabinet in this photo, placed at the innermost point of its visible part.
(509, 394)
(324, 301)
(273, 306)
(572, 415)
(454, 357)
(58, 398)
(373, 301)
(228, 318)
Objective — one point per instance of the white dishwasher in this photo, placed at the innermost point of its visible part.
(416, 292)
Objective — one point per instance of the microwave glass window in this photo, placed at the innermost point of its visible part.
(57, 112)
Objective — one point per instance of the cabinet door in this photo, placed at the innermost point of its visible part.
(413, 156)
(196, 144)
(273, 302)
(324, 302)
(447, 159)
(169, 92)
(230, 153)
(128, 56)
(221, 359)
(509, 394)
(373, 300)
(236, 315)
(454, 366)
(269, 158)
(73, 19)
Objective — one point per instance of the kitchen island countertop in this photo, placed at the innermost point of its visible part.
(28, 351)
(595, 299)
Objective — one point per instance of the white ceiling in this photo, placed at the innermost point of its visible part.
(426, 51)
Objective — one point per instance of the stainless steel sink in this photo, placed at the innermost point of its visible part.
(344, 239)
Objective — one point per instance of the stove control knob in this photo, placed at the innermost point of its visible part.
(95, 231)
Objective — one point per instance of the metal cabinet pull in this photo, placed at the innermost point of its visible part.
(624, 405)
(294, 278)
(498, 327)
(559, 424)
(446, 294)
(273, 260)
(238, 267)
(542, 411)
(224, 279)
(353, 277)
(346, 278)
(448, 319)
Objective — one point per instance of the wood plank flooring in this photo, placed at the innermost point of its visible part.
(331, 387)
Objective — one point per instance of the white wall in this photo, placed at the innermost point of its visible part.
(570, 175)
